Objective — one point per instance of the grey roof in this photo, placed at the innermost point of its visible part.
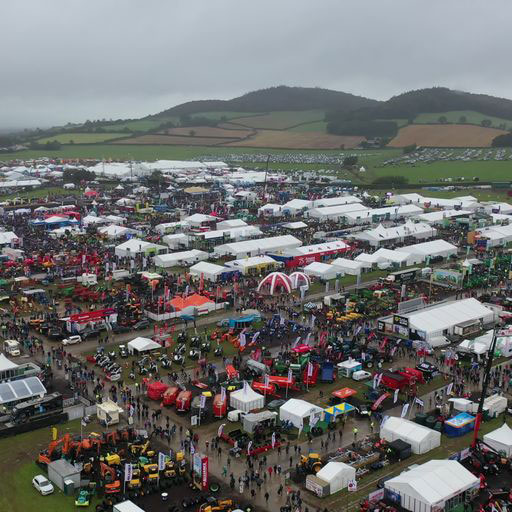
(63, 467)
(21, 389)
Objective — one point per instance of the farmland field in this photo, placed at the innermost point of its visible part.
(280, 120)
(441, 135)
(82, 138)
(315, 126)
(177, 140)
(224, 114)
(209, 131)
(298, 140)
(455, 115)
(139, 125)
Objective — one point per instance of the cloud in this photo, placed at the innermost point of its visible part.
(70, 60)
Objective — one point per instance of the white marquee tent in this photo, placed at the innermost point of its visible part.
(337, 475)
(246, 399)
(180, 258)
(322, 270)
(500, 439)
(347, 266)
(430, 485)
(140, 344)
(210, 271)
(421, 439)
(295, 411)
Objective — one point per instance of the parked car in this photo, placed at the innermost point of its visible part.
(236, 415)
(123, 351)
(72, 340)
(90, 333)
(120, 329)
(361, 375)
(275, 404)
(141, 324)
(42, 485)
(54, 333)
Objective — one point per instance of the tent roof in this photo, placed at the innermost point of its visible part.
(299, 408)
(246, 395)
(207, 268)
(6, 364)
(248, 262)
(434, 482)
(320, 268)
(407, 429)
(21, 389)
(142, 344)
(502, 435)
(346, 263)
(431, 248)
(332, 469)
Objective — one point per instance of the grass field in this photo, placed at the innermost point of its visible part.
(151, 139)
(82, 138)
(315, 126)
(209, 131)
(139, 125)
(18, 468)
(297, 140)
(280, 120)
(445, 135)
(455, 115)
(228, 114)
(38, 193)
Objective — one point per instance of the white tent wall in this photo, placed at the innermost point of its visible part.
(500, 439)
(295, 411)
(337, 475)
(246, 400)
(421, 439)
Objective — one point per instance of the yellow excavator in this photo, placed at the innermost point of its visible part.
(311, 463)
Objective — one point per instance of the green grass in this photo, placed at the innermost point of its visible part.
(228, 114)
(40, 193)
(315, 126)
(281, 120)
(139, 125)
(454, 116)
(399, 122)
(18, 468)
(82, 138)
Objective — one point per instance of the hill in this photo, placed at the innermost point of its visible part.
(275, 99)
(417, 107)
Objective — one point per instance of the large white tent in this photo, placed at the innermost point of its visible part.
(135, 246)
(140, 344)
(295, 411)
(381, 235)
(257, 247)
(246, 399)
(209, 271)
(421, 439)
(500, 439)
(337, 475)
(430, 249)
(431, 485)
(347, 266)
(322, 270)
(180, 258)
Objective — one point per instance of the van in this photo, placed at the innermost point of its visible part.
(12, 347)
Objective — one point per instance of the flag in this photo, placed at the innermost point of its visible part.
(161, 461)
(419, 401)
(449, 388)
(296, 342)
(108, 418)
(249, 446)
(395, 398)
(220, 430)
(192, 449)
(201, 282)
(290, 375)
(242, 340)
(223, 393)
(405, 408)
(267, 379)
(273, 439)
(128, 472)
(310, 369)
(202, 401)
(255, 336)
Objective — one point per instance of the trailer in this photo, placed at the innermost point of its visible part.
(327, 374)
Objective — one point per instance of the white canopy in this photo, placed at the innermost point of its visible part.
(432, 484)
(295, 410)
(337, 475)
(246, 399)
(322, 270)
(210, 271)
(421, 439)
(180, 258)
(500, 439)
(141, 344)
(6, 364)
(348, 266)
(135, 246)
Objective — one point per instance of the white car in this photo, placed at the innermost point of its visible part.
(72, 340)
(236, 415)
(361, 375)
(42, 484)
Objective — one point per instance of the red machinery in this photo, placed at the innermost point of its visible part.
(266, 389)
(283, 382)
(220, 407)
(156, 390)
(311, 380)
(169, 396)
(183, 401)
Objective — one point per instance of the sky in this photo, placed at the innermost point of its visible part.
(72, 60)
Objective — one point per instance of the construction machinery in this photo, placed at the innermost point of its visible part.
(141, 449)
(108, 475)
(55, 450)
(214, 505)
(311, 463)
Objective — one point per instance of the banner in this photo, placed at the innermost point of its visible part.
(395, 397)
(273, 439)
(405, 408)
(128, 472)
(419, 401)
(192, 449)
(449, 388)
(161, 461)
(267, 379)
(223, 393)
(220, 430)
(290, 375)
(249, 446)
(310, 369)
(202, 401)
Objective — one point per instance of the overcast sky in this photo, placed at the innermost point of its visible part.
(72, 60)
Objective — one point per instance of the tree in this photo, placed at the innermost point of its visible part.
(409, 149)
(463, 119)
(71, 141)
(391, 180)
(156, 177)
(350, 160)
(486, 123)
(443, 119)
(192, 133)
